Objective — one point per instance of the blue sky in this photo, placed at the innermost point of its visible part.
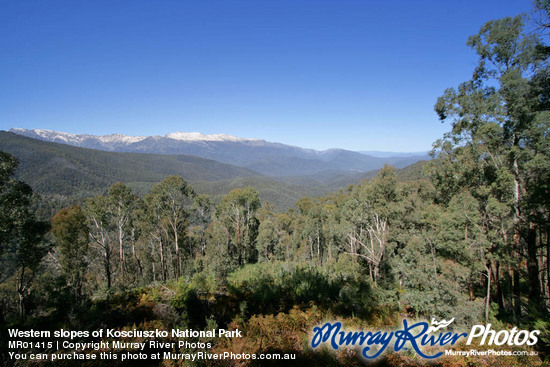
(358, 75)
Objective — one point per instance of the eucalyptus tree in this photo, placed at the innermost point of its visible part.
(168, 207)
(499, 144)
(100, 233)
(368, 213)
(70, 231)
(542, 14)
(267, 240)
(15, 199)
(112, 231)
(284, 232)
(237, 213)
(312, 230)
(22, 243)
(122, 204)
(201, 216)
(148, 221)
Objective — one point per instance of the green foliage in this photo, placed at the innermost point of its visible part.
(237, 213)
(168, 205)
(185, 294)
(86, 172)
(70, 174)
(15, 199)
(273, 287)
(432, 286)
(469, 243)
(498, 151)
(71, 236)
(22, 243)
(187, 303)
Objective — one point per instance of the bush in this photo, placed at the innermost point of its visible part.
(187, 303)
(269, 288)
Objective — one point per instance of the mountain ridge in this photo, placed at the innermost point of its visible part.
(83, 165)
(267, 158)
(64, 171)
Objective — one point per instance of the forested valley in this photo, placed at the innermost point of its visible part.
(470, 242)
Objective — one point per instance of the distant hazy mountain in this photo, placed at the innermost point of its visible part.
(60, 170)
(380, 154)
(272, 159)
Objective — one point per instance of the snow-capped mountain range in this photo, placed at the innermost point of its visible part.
(117, 139)
(273, 159)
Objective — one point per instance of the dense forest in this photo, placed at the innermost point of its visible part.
(470, 242)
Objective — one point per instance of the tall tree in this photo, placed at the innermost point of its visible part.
(122, 204)
(498, 145)
(168, 206)
(369, 211)
(201, 216)
(237, 212)
(100, 231)
(22, 244)
(71, 235)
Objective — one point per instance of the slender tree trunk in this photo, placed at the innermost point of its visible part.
(310, 247)
(516, 292)
(134, 253)
(541, 264)
(121, 255)
(517, 234)
(509, 289)
(228, 242)
(138, 262)
(107, 267)
(488, 300)
(153, 261)
(500, 298)
(318, 249)
(162, 266)
(105, 248)
(176, 241)
(20, 292)
(371, 274)
(239, 244)
(535, 300)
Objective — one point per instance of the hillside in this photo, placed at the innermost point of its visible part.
(59, 170)
(267, 158)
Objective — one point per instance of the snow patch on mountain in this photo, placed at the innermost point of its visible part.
(77, 139)
(194, 136)
(119, 138)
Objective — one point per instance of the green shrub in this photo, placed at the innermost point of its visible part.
(273, 287)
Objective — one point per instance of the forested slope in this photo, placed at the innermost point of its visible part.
(55, 170)
(62, 169)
